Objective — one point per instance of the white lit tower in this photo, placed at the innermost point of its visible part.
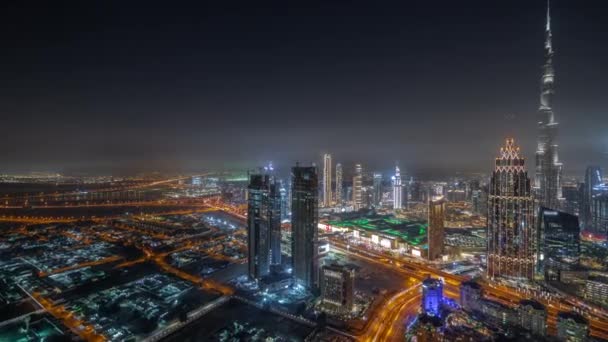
(397, 189)
(547, 181)
(339, 184)
(358, 187)
(327, 197)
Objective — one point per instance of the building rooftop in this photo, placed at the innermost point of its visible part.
(573, 316)
(431, 282)
(412, 232)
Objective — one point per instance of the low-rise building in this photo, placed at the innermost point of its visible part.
(533, 317)
(337, 287)
(572, 327)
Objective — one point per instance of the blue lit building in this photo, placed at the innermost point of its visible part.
(432, 296)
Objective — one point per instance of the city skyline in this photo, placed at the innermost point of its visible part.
(123, 121)
(300, 172)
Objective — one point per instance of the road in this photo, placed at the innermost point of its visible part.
(500, 292)
(383, 327)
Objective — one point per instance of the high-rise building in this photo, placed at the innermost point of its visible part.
(547, 181)
(480, 201)
(285, 202)
(511, 230)
(358, 187)
(339, 185)
(304, 221)
(558, 242)
(571, 195)
(456, 195)
(258, 225)
(470, 295)
(593, 178)
(377, 192)
(599, 212)
(397, 189)
(435, 229)
(274, 220)
(432, 296)
(337, 287)
(572, 327)
(533, 317)
(327, 195)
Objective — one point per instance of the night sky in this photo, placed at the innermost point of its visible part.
(96, 86)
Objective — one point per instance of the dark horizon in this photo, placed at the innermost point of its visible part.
(122, 88)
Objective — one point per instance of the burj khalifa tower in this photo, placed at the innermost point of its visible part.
(547, 182)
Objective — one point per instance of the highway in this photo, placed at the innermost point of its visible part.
(508, 295)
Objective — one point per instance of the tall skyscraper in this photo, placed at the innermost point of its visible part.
(304, 221)
(339, 184)
(547, 181)
(511, 230)
(558, 242)
(435, 229)
(599, 212)
(397, 189)
(377, 194)
(258, 225)
(285, 201)
(327, 196)
(358, 187)
(274, 220)
(593, 178)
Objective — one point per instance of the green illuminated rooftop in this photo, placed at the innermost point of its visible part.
(411, 232)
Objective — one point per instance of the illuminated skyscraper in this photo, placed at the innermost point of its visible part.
(593, 178)
(511, 230)
(599, 212)
(304, 221)
(258, 225)
(358, 187)
(285, 202)
(397, 189)
(558, 242)
(435, 229)
(547, 181)
(327, 197)
(377, 194)
(274, 221)
(339, 184)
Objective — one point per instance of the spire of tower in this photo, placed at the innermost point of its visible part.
(548, 15)
(548, 43)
